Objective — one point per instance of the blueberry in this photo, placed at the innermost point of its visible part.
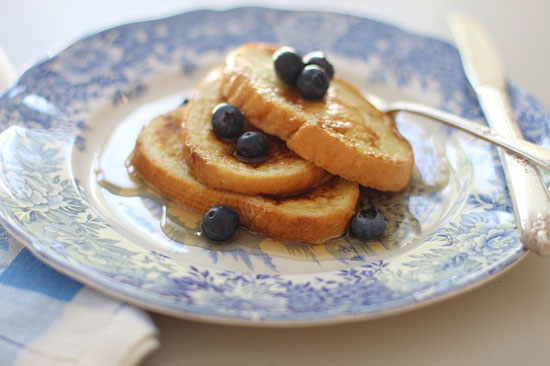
(368, 225)
(220, 223)
(252, 146)
(227, 121)
(318, 58)
(288, 65)
(313, 82)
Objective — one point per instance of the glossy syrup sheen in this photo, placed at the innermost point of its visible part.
(343, 110)
(177, 227)
(203, 142)
(182, 225)
(278, 152)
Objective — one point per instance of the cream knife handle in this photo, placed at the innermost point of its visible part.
(529, 193)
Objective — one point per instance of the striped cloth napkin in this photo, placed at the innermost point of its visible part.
(48, 319)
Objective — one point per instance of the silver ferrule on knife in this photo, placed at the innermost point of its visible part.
(484, 70)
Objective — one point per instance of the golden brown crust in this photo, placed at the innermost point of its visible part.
(343, 133)
(211, 161)
(335, 154)
(263, 113)
(316, 216)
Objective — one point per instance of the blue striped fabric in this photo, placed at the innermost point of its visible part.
(32, 297)
(33, 300)
(25, 272)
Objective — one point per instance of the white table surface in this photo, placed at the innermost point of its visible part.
(504, 322)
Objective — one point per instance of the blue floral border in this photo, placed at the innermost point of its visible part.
(56, 95)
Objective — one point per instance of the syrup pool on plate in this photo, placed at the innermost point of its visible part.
(174, 229)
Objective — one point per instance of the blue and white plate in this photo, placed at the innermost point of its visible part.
(66, 194)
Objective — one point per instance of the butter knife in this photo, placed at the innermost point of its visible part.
(485, 73)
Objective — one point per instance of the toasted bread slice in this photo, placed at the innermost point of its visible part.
(212, 162)
(342, 133)
(315, 216)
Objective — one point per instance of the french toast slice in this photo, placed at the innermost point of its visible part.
(211, 161)
(342, 133)
(314, 216)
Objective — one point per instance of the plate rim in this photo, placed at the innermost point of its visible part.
(253, 323)
(98, 284)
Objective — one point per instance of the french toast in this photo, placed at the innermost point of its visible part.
(212, 161)
(342, 133)
(316, 215)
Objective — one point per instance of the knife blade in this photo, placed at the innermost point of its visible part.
(485, 72)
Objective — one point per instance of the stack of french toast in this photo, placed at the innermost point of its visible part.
(291, 165)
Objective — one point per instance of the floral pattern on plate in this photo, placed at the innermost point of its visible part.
(47, 202)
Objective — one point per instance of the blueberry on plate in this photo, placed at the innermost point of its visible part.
(288, 65)
(220, 223)
(252, 146)
(227, 121)
(368, 225)
(318, 58)
(313, 82)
